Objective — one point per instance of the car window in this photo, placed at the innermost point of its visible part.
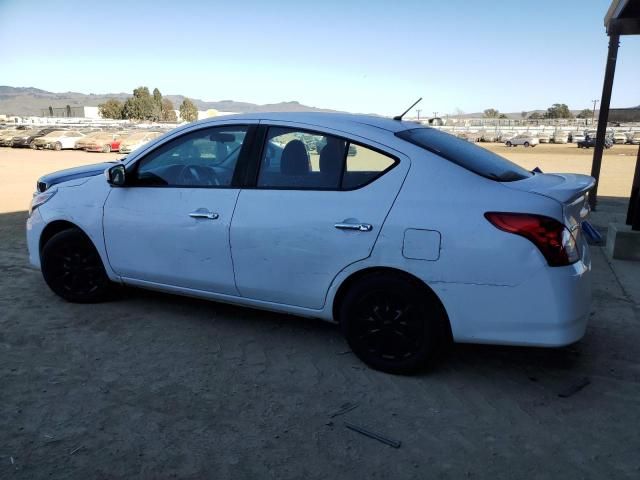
(476, 159)
(301, 160)
(204, 158)
(364, 165)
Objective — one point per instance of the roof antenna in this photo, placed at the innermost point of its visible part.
(399, 117)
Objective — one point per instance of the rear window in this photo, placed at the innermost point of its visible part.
(466, 154)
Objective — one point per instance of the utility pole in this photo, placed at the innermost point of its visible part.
(593, 116)
(418, 110)
(435, 114)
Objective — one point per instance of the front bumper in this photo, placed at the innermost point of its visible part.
(35, 226)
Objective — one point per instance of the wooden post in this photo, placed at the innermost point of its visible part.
(614, 42)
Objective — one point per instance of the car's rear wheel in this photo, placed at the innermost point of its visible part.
(33, 146)
(72, 268)
(57, 146)
(391, 323)
(526, 144)
(106, 148)
(508, 144)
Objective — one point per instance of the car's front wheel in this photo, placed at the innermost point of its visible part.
(72, 268)
(508, 144)
(57, 146)
(526, 144)
(392, 324)
(106, 148)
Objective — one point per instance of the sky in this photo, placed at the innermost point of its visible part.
(359, 56)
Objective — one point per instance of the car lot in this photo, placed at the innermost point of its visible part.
(160, 386)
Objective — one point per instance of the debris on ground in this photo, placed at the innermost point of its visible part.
(374, 435)
(344, 408)
(575, 388)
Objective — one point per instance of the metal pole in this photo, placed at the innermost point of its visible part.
(593, 115)
(614, 42)
(633, 213)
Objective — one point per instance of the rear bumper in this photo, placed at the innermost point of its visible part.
(551, 309)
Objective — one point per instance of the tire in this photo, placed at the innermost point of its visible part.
(57, 146)
(106, 148)
(391, 324)
(72, 268)
(508, 144)
(526, 144)
(33, 146)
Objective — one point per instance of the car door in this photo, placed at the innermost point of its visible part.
(318, 205)
(170, 224)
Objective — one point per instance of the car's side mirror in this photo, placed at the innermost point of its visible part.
(116, 175)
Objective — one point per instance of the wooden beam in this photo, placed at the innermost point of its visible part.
(623, 26)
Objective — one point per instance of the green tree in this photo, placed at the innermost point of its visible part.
(586, 113)
(188, 111)
(140, 106)
(558, 110)
(157, 104)
(491, 113)
(502, 115)
(535, 116)
(112, 108)
(168, 113)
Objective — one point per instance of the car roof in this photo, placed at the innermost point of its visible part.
(340, 121)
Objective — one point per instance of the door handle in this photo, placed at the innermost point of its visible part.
(204, 213)
(361, 227)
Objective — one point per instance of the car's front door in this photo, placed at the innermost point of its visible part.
(170, 224)
(318, 205)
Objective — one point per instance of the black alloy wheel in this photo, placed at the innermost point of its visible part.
(392, 324)
(72, 268)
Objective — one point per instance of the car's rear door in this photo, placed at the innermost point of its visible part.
(170, 224)
(317, 204)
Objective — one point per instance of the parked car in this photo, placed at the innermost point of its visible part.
(7, 136)
(357, 240)
(488, 136)
(589, 142)
(88, 137)
(24, 138)
(524, 140)
(576, 136)
(504, 136)
(136, 140)
(58, 140)
(560, 136)
(634, 138)
(544, 137)
(619, 137)
(104, 142)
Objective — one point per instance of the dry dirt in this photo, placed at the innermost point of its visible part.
(155, 386)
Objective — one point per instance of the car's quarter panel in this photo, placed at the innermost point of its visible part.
(285, 244)
(150, 236)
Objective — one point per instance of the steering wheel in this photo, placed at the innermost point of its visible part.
(197, 175)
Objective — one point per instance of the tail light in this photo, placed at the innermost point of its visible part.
(552, 238)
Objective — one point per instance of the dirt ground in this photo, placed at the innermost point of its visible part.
(155, 386)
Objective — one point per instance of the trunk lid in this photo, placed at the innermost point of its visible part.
(569, 189)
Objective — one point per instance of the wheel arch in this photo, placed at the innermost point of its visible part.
(354, 277)
(55, 227)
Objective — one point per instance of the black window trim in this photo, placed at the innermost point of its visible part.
(258, 151)
(244, 158)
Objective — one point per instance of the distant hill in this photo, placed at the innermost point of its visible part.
(30, 101)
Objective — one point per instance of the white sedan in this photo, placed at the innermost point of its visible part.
(524, 140)
(406, 236)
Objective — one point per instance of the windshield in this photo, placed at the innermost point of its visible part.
(466, 154)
